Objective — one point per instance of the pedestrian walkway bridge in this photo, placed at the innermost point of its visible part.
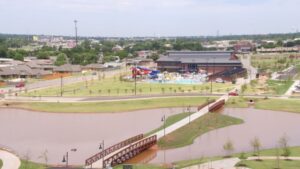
(127, 149)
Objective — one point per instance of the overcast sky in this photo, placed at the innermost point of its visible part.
(149, 17)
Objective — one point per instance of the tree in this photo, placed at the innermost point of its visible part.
(61, 59)
(154, 56)
(44, 156)
(228, 147)
(244, 88)
(283, 143)
(255, 143)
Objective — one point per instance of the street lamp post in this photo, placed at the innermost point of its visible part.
(101, 147)
(211, 85)
(163, 119)
(61, 85)
(189, 110)
(66, 157)
(135, 74)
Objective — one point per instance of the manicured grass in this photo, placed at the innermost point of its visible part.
(237, 102)
(271, 164)
(186, 135)
(141, 166)
(295, 151)
(1, 163)
(273, 62)
(31, 165)
(273, 87)
(187, 163)
(169, 121)
(115, 87)
(111, 107)
(279, 87)
(289, 105)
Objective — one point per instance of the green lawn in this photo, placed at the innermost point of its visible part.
(295, 151)
(288, 105)
(141, 166)
(279, 87)
(271, 164)
(1, 163)
(273, 87)
(169, 121)
(31, 165)
(186, 135)
(237, 102)
(115, 106)
(273, 62)
(187, 163)
(115, 87)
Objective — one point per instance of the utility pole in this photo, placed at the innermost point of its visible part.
(135, 74)
(61, 85)
(211, 85)
(76, 39)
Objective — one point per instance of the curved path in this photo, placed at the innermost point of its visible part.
(230, 163)
(10, 161)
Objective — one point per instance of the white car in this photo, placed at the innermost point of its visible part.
(219, 80)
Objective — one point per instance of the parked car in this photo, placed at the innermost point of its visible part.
(233, 94)
(20, 85)
(219, 80)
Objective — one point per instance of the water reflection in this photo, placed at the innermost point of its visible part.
(268, 126)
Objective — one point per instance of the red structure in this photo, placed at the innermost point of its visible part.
(130, 151)
(217, 106)
(112, 149)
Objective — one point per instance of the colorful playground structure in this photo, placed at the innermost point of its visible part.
(140, 71)
(155, 76)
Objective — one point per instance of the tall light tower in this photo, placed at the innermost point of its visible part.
(76, 40)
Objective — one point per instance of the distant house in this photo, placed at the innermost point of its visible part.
(195, 61)
(94, 67)
(244, 47)
(21, 71)
(68, 68)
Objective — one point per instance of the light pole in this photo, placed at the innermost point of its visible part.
(135, 74)
(211, 85)
(61, 85)
(163, 119)
(66, 157)
(101, 147)
(189, 110)
(76, 39)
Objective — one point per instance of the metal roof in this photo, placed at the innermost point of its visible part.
(199, 57)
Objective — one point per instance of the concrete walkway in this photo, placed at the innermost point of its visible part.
(10, 161)
(219, 164)
(187, 120)
(231, 162)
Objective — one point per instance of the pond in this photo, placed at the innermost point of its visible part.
(268, 126)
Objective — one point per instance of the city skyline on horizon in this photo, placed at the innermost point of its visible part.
(150, 18)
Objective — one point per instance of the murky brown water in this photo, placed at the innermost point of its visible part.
(33, 132)
(268, 126)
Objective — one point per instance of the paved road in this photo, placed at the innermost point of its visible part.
(10, 161)
(65, 81)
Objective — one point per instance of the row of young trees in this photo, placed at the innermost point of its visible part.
(256, 145)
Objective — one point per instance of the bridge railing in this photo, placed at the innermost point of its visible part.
(217, 105)
(130, 151)
(112, 149)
